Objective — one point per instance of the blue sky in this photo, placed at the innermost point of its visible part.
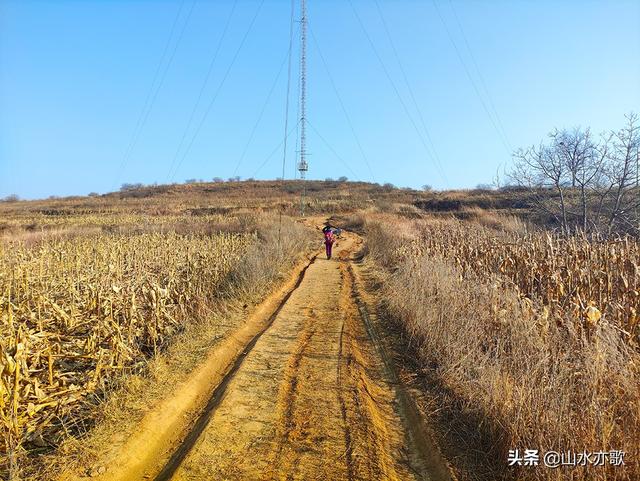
(483, 77)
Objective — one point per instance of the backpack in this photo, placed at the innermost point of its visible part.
(328, 236)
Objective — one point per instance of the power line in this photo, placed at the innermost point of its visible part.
(276, 149)
(410, 89)
(215, 96)
(286, 110)
(344, 110)
(470, 77)
(286, 113)
(482, 82)
(333, 151)
(202, 88)
(153, 93)
(261, 114)
(395, 88)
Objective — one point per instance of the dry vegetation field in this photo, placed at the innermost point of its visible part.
(531, 339)
(517, 337)
(92, 289)
(76, 310)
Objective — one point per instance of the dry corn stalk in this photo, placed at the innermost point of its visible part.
(595, 279)
(75, 311)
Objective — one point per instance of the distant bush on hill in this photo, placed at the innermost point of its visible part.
(126, 187)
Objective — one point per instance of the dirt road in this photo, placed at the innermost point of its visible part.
(310, 397)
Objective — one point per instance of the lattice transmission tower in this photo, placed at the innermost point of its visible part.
(303, 165)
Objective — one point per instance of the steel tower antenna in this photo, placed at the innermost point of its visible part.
(303, 166)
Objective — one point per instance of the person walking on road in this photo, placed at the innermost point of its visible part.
(329, 239)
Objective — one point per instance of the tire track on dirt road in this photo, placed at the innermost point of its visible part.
(187, 444)
(264, 429)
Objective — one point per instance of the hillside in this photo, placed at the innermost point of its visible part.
(192, 332)
(321, 197)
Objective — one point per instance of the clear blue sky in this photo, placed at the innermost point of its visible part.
(75, 75)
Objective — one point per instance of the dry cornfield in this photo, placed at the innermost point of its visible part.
(534, 335)
(594, 281)
(77, 311)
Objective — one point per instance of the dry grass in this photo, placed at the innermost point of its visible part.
(493, 220)
(156, 203)
(521, 362)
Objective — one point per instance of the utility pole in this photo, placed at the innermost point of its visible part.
(303, 166)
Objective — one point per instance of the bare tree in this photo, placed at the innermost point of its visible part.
(11, 198)
(127, 187)
(497, 180)
(584, 159)
(600, 185)
(622, 172)
(568, 146)
(541, 169)
(585, 183)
